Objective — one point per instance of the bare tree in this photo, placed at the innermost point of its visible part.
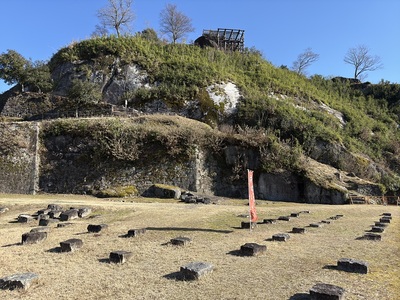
(174, 23)
(362, 61)
(117, 15)
(304, 60)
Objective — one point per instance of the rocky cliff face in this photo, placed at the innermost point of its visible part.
(70, 164)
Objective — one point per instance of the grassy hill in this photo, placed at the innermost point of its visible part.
(354, 130)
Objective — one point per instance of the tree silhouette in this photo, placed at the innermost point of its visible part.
(174, 23)
(117, 15)
(362, 61)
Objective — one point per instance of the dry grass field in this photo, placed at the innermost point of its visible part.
(287, 271)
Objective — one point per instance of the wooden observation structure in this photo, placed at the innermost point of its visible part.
(223, 39)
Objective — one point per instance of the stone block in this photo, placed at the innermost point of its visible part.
(372, 237)
(33, 237)
(41, 229)
(64, 224)
(43, 211)
(324, 291)
(136, 232)
(316, 225)
(380, 224)
(71, 245)
(55, 207)
(387, 214)
(252, 249)
(96, 228)
(298, 230)
(43, 217)
(18, 281)
(3, 210)
(246, 225)
(195, 270)
(120, 257)
(377, 229)
(280, 237)
(384, 220)
(352, 265)
(84, 212)
(326, 222)
(68, 215)
(25, 218)
(55, 214)
(269, 221)
(47, 222)
(295, 215)
(180, 241)
(284, 218)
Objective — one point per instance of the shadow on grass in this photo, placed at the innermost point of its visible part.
(54, 250)
(187, 229)
(10, 245)
(330, 267)
(174, 276)
(236, 253)
(300, 296)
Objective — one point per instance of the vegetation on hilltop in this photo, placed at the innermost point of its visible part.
(280, 104)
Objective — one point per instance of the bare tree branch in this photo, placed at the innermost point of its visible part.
(304, 60)
(362, 61)
(174, 23)
(117, 15)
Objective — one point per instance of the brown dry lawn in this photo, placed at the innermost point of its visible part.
(287, 271)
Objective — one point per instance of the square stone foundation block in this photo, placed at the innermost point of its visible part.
(68, 215)
(120, 257)
(298, 230)
(385, 220)
(41, 229)
(324, 291)
(352, 265)
(136, 232)
(380, 224)
(252, 249)
(387, 214)
(377, 229)
(284, 218)
(84, 212)
(64, 224)
(47, 222)
(18, 281)
(246, 225)
(280, 237)
(71, 245)
(33, 237)
(180, 241)
(25, 218)
(372, 237)
(96, 228)
(55, 207)
(269, 221)
(316, 225)
(295, 215)
(195, 270)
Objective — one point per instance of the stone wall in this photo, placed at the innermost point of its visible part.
(71, 164)
(18, 159)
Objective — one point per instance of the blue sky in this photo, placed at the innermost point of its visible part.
(280, 29)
